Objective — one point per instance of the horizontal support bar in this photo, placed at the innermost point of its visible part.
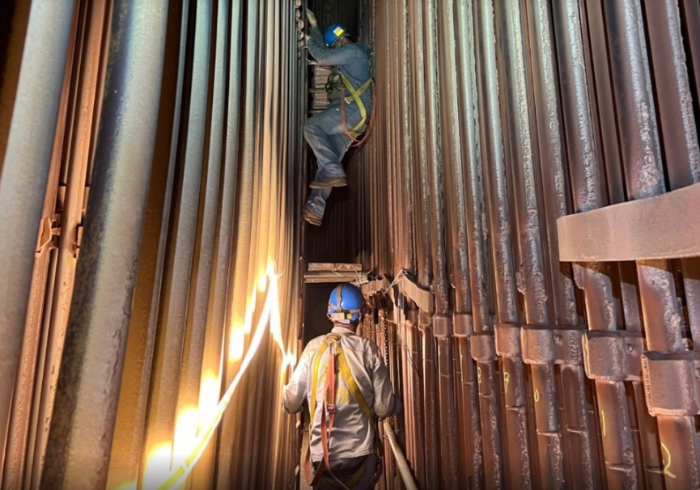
(661, 227)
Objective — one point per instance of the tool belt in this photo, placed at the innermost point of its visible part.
(323, 468)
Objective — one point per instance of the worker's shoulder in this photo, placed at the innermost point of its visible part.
(316, 342)
(358, 47)
(364, 344)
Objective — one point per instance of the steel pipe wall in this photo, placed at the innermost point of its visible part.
(152, 174)
(542, 109)
(158, 244)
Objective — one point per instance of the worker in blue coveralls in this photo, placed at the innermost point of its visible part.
(325, 132)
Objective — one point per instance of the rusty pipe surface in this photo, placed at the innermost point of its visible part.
(418, 135)
(580, 459)
(434, 155)
(530, 276)
(89, 384)
(406, 130)
(594, 279)
(644, 177)
(677, 126)
(613, 192)
(500, 227)
(449, 460)
(474, 243)
(415, 357)
(24, 176)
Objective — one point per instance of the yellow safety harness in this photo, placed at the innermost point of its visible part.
(354, 97)
(333, 342)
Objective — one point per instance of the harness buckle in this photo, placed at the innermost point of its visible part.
(330, 407)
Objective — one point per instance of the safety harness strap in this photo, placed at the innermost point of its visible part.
(333, 341)
(355, 96)
(352, 385)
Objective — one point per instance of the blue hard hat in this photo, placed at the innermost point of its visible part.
(345, 304)
(333, 33)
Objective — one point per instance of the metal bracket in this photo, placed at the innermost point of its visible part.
(672, 383)
(463, 324)
(507, 338)
(483, 347)
(49, 231)
(421, 297)
(442, 326)
(630, 230)
(613, 355)
(551, 344)
(373, 287)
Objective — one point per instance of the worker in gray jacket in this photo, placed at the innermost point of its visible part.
(327, 134)
(346, 383)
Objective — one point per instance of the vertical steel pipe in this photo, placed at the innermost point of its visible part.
(609, 154)
(471, 177)
(83, 422)
(129, 430)
(423, 226)
(531, 274)
(580, 463)
(441, 321)
(238, 283)
(496, 194)
(204, 473)
(594, 279)
(163, 408)
(678, 125)
(209, 194)
(24, 176)
(644, 177)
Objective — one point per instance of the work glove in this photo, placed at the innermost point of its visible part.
(312, 18)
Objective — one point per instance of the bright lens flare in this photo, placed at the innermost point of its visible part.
(189, 441)
(158, 466)
(208, 399)
(236, 344)
(185, 434)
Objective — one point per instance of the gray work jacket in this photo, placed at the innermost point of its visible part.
(352, 435)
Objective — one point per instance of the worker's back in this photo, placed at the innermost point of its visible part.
(358, 71)
(353, 433)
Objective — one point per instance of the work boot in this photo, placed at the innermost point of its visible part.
(311, 217)
(329, 182)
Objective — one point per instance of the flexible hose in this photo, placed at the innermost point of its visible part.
(401, 463)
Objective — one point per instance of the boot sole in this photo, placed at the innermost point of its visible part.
(329, 183)
(311, 218)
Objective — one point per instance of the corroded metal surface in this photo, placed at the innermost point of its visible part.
(162, 192)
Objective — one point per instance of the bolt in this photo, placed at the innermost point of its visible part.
(630, 348)
(697, 372)
(557, 337)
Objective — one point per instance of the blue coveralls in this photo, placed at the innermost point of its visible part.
(324, 132)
